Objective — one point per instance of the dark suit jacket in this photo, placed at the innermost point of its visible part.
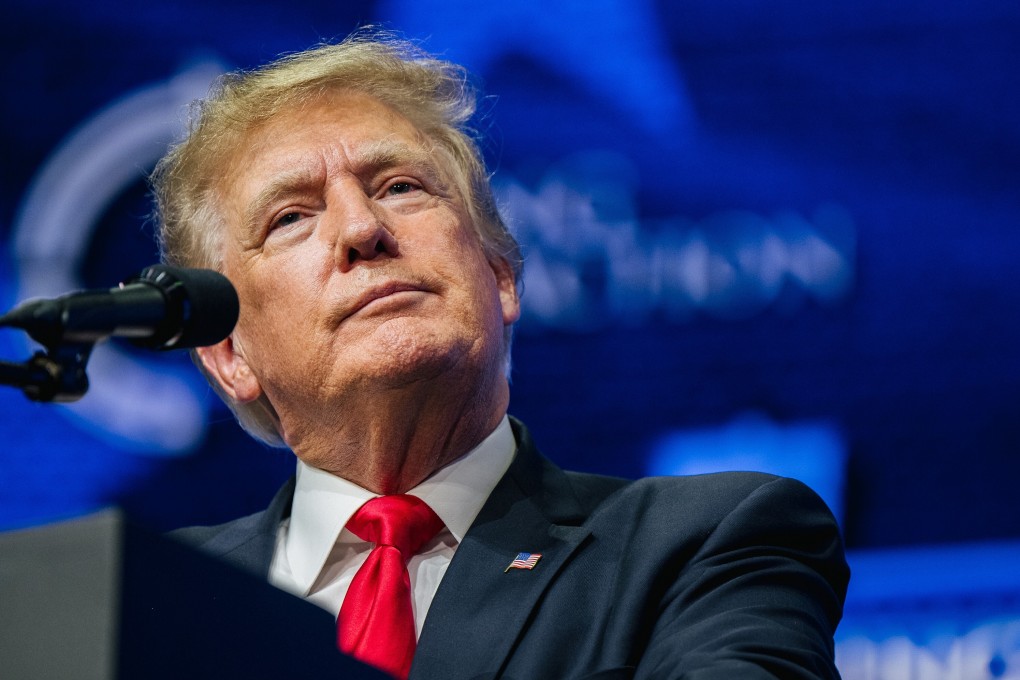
(730, 576)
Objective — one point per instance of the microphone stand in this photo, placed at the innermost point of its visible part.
(162, 308)
(57, 374)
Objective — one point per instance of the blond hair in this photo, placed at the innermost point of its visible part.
(433, 94)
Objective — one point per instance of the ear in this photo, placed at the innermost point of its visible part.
(228, 367)
(508, 297)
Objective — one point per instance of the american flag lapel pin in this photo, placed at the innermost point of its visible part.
(524, 561)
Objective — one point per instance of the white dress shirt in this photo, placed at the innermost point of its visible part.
(316, 557)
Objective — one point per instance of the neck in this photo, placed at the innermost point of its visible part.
(389, 442)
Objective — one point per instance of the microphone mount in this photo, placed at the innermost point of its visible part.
(161, 308)
(57, 374)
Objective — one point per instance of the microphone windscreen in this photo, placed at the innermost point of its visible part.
(202, 306)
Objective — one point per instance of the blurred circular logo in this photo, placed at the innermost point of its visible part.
(144, 404)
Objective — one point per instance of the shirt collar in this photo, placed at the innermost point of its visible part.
(323, 502)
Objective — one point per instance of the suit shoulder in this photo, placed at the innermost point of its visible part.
(712, 497)
(223, 537)
(724, 484)
(592, 489)
(235, 530)
(730, 484)
(723, 490)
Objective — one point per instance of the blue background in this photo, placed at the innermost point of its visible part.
(767, 232)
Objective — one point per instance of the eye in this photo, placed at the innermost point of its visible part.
(398, 188)
(286, 219)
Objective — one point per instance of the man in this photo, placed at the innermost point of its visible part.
(339, 192)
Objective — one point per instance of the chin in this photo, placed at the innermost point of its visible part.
(413, 354)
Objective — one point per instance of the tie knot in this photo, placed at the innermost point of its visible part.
(404, 522)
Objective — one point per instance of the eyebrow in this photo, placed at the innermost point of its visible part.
(386, 153)
(371, 158)
(284, 184)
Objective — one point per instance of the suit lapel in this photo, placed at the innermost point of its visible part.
(479, 611)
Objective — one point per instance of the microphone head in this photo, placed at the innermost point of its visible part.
(202, 307)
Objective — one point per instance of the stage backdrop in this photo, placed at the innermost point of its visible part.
(756, 234)
(779, 235)
(772, 235)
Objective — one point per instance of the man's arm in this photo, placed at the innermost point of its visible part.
(761, 597)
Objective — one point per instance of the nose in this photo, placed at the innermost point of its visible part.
(361, 232)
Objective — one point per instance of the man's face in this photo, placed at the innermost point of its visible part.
(355, 260)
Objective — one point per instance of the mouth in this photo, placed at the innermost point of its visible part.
(376, 296)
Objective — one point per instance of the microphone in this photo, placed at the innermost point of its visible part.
(161, 308)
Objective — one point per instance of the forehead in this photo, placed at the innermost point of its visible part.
(340, 130)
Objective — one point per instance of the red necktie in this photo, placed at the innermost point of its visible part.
(376, 623)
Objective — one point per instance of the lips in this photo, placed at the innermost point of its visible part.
(380, 292)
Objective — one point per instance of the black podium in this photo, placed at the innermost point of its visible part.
(99, 598)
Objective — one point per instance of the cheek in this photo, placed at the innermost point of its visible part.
(480, 295)
(285, 280)
(271, 313)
